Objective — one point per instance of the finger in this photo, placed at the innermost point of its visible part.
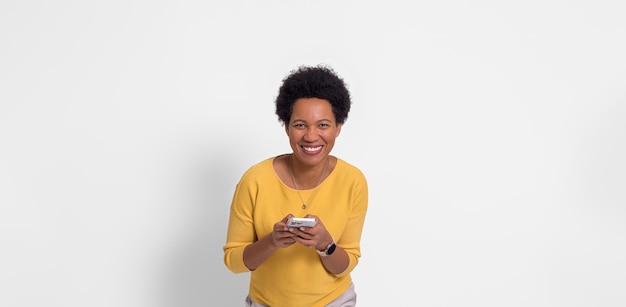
(287, 241)
(286, 218)
(299, 232)
(285, 233)
(305, 242)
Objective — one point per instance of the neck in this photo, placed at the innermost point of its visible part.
(304, 177)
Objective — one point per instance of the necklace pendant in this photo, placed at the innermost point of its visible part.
(303, 205)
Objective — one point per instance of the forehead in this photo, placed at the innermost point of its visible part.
(312, 109)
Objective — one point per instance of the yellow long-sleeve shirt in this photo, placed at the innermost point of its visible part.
(295, 276)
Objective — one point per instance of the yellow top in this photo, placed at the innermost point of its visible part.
(294, 276)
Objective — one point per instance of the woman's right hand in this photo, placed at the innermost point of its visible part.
(281, 236)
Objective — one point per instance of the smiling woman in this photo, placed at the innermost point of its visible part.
(301, 266)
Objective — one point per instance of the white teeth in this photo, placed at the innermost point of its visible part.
(312, 148)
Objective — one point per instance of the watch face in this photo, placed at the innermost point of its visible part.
(331, 249)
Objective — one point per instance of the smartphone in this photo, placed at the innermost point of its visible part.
(301, 222)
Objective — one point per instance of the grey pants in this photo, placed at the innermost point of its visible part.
(347, 299)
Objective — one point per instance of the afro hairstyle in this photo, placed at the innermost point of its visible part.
(319, 81)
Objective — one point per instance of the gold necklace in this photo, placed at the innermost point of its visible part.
(293, 178)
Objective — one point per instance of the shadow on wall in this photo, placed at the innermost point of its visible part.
(195, 274)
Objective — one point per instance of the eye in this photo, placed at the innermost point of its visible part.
(324, 125)
(298, 125)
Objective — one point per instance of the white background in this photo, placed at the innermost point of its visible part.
(492, 135)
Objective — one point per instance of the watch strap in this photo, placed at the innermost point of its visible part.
(329, 250)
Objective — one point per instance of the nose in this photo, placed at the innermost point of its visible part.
(311, 134)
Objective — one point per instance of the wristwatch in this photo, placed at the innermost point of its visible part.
(330, 249)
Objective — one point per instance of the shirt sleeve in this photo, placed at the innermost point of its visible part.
(241, 231)
(350, 240)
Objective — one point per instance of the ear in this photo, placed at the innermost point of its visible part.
(338, 130)
(286, 128)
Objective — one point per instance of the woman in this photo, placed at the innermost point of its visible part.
(301, 266)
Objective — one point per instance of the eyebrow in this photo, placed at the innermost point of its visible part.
(319, 121)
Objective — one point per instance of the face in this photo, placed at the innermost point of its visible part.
(312, 130)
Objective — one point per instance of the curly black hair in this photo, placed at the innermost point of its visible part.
(318, 81)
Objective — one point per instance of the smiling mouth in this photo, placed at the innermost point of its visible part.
(312, 149)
